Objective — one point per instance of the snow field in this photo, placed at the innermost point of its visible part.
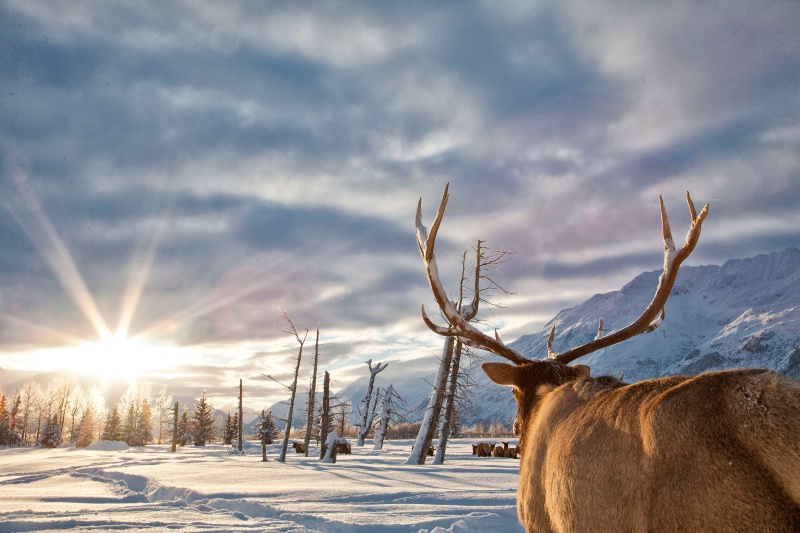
(207, 489)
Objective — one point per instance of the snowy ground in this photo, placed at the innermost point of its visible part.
(207, 489)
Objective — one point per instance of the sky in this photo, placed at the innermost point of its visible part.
(175, 176)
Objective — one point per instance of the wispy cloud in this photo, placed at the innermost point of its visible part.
(202, 165)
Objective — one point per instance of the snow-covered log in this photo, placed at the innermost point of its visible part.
(331, 448)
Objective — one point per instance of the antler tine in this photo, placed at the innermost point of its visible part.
(653, 315)
(458, 326)
(550, 352)
(600, 329)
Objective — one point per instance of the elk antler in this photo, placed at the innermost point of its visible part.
(458, 325)
(653, 315)
(650, 319)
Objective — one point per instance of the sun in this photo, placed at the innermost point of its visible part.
(111, 358)
(117, 356)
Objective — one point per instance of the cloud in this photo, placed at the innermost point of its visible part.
(211, 164)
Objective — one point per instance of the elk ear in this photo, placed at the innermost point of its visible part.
(501, 373)
(583, 370)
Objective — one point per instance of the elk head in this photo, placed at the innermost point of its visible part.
(531, 378)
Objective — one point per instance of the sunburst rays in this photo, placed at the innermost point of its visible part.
(118, 342)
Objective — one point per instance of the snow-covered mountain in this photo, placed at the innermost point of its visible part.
(745, 313)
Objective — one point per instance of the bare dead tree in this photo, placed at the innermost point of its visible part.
(240, 416)
(326, 412)
(342, 413)
(61, 393)
(374, 410)
(366, 413)
(264, 429)
(174, 427)
(449, 404)
(387, 408)
(312, 391)
(487, 261)
(292, 330)
(433, 412)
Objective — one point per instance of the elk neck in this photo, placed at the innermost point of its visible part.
(536, 380)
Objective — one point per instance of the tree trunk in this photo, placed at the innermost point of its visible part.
(312, 392)
(330, 448)
(293, 388)
(366, 419)
(175, 428)
(240, 416)
(383, 421)
(468, 313)
(372, 411)
(434, 409)
(326, 413)
(285, 444)
(262, 420)
(450, 402)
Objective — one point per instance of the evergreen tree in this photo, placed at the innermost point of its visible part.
(113, 428)
(144, 424)
(86, 429)
(129, 426)
(266, 428)
(5, 421)
(236, 426)
(185, 428)
(138, 426)
(204, 430)
(51, 436)
(15, 436)
(230, 432)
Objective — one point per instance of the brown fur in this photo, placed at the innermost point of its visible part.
(499, 452)
(299, 447)
(509, 452)
(431, 450)
(344, 448)
(485, 449)
(718, 452)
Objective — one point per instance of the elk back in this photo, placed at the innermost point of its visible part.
(715, 452)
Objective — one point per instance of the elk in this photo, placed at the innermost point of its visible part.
(509, 452)
(512, 452)
(344, 447)
(500, 452)
(719, 451)
(431, 450)
(299, 447)
(485, 449)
